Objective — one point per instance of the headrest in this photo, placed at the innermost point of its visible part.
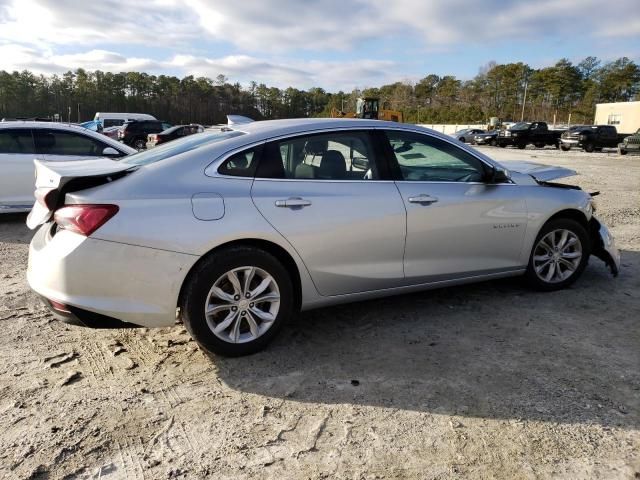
(316, 147)
(333, 165)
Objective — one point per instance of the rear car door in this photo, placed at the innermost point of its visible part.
(61, 145)
(17, 153)
(458, 225)
(327, 195)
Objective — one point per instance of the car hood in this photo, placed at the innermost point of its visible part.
(542, 173)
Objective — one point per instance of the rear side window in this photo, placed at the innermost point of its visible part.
(52, 142)
(242, 164)
(17, 140)
(112, 122)
(340, 155)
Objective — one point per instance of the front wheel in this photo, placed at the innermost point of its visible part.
(621, 151)
(539, 145)
(559, 255)
(493, 142)
(565, 148)
(521, 146)
(236, 301)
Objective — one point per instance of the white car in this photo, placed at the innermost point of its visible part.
(23, 142)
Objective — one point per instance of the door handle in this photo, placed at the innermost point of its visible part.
(293, 202)
(423, 199)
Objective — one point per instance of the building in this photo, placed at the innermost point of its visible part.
(624, 115)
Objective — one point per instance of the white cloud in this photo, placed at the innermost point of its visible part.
(333, 75)
(285, 25)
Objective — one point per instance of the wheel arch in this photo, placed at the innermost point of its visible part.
(571, 214)
(270, 247)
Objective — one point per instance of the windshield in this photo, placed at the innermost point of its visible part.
(179, 146)
(520, 126)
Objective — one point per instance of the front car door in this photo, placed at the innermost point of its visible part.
(458, 225)
(17, 181)
(328, 197)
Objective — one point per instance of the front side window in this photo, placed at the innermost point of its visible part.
(424, 158)
(347, 155)
(53, 142)
(16, 141)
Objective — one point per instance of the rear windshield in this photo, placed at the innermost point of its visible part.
(177, 147)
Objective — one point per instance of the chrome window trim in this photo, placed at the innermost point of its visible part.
(211, 170)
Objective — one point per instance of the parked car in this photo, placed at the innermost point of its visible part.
(113, 119)
(111, 132)
(173, 133)
(630, 143)
(238, 230)
(523, 133)
(487, 138)
(134, 133)
(590, 137)
(467, 134)
(22, 142)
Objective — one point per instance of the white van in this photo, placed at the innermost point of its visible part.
(109, 119)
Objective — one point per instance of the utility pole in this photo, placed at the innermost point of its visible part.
(78, 113)
(524, 100)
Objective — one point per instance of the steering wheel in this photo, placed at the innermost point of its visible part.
(466, 178)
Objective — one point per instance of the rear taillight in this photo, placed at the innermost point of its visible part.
(84, 219)
(46, 197)
(159, 139)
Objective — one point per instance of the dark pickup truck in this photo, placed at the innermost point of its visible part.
(590, 137)
(522, 134)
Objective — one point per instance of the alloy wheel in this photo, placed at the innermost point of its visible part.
(242, 304)
(557, 256)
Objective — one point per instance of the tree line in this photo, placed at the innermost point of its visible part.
(507, 91)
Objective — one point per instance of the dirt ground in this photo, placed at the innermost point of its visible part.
(481, 381)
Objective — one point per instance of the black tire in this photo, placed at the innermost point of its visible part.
(139, 144)
(539, 145)
(565, 148)
(621, 151)
(202, 279)
(502, 145)
(462, 139)
(521, 146)
(493, 142)
(559, 224)
(589, 147)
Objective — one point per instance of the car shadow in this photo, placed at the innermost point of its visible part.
(11, 231)
(491, 350)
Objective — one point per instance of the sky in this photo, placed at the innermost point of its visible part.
(333, 44)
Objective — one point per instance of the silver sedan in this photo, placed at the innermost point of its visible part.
(233, 232)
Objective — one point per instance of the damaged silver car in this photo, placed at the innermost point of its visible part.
(234, 231)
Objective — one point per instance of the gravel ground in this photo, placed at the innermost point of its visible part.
(481, 381)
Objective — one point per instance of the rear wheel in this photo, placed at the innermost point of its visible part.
(236, 301)
(521, 146)
(139, 144)
(493, 142)
(559, 255)
(462, 139)
(621, 151)
(539, 145)
(565, 148)
(589, 147)
(502, 145)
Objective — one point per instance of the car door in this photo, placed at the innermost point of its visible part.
(17, 153)
(62, 145)
(458, 224)
(328, 197)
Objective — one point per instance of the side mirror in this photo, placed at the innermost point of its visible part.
(498, 175)
(110, 152)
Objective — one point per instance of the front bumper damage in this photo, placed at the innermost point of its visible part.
(603, 245)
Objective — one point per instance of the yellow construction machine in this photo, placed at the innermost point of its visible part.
(369, 107)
